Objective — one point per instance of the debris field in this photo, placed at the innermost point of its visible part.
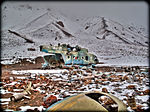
(130, 87)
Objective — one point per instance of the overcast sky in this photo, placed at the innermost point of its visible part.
(124, 12)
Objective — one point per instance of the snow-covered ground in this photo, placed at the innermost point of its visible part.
(119, 84)
(113, 43)
(125, 45)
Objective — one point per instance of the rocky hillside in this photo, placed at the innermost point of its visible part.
(111, 41)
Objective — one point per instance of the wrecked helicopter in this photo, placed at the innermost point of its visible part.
(65, 55)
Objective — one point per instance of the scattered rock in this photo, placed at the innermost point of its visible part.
(104, 90)
(131, 87)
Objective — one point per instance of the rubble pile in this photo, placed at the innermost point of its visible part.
(50, 87)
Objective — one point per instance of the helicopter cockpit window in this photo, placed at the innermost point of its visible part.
(95, 59)
(46, 58)
(49, 57)
(86, 58)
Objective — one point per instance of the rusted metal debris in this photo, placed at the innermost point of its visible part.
(49, 100)
(90, 101)
(19, 96)
(73, 83)
(131, 101)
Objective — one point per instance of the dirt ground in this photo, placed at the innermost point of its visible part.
(26, 65)
(36, 98)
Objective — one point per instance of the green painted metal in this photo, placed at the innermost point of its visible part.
(70, 55)
(86, 102)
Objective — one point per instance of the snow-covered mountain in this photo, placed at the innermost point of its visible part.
(104, 28)
(50, 26)
(111, 41)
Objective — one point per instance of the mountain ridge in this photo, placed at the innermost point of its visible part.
(92, 33)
